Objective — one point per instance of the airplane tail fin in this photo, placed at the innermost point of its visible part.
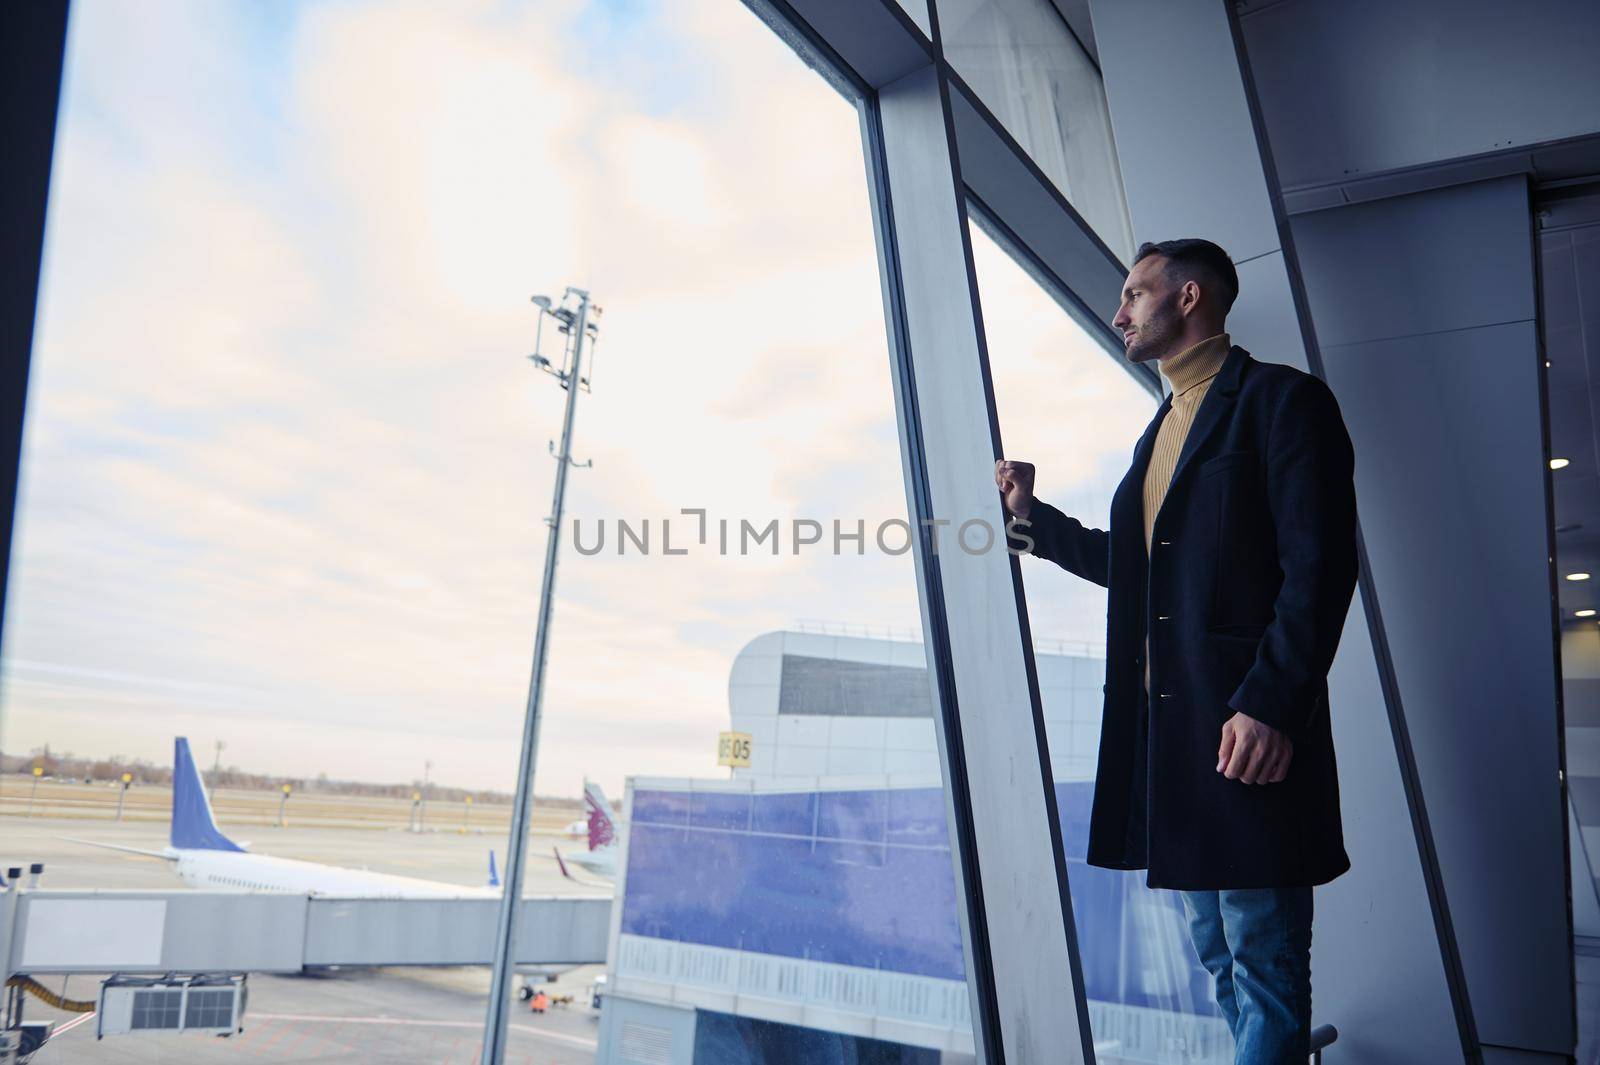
(494, 874)
(602, 829)
(193, 826)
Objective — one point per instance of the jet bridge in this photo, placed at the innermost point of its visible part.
(47, 932)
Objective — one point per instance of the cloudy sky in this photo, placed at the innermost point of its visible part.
(286, 469)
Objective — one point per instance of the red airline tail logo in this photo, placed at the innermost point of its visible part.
(602, 830)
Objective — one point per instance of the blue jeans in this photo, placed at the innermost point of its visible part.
(1256, 944)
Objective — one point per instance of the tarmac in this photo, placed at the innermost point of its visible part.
(372, 1015)
(402, 1015)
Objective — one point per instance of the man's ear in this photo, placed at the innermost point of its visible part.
(1189, 296)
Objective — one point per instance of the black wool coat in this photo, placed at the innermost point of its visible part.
(1243, 592)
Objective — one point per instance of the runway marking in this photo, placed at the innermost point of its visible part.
(70, 1025)
(537, 1033)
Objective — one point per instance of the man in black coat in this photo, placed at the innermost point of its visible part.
(1230, 563)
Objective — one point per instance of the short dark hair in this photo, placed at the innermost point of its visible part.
(1193, 259)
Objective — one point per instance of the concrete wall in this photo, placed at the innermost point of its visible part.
(1353, 87)
(1425, 309)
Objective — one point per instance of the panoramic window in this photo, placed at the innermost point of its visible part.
(287, 475)
(1067, 404)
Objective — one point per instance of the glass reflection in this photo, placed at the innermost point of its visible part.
(918, 10)
(1022, 60)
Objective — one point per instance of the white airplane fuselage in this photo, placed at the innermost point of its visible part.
(203, 857)
(244, 872)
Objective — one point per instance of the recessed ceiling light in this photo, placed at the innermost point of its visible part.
(1556, 464)
(1577, 576)
(1589, 613)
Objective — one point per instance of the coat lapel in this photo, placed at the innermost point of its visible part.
(1214, 409)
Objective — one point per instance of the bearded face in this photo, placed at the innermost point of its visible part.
(1154, 328)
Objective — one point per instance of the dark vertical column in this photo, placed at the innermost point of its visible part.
(1427, 313)
(33, 39)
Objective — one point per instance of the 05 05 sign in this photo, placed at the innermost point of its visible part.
(733, 748)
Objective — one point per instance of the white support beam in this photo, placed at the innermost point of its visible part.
(1023, 971)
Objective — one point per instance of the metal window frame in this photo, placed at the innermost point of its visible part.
(935, 158)
(33, 41)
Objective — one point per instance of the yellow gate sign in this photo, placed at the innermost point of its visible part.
(733, 748)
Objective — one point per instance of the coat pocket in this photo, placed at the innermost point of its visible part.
(1238, 632)
(1226, 461)
(1233, 649)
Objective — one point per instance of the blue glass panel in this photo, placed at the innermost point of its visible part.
(853, 815)
(886, 905)
(921, 881)
(661, 807)
(654, 855)
(786, 815)
(786, 902)
(841, 900)
(917, 816)
(718, 809)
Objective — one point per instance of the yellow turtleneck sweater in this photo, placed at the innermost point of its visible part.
(1190, 373)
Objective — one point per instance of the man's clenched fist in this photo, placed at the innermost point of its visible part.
(1252, 752)
(1016, 485)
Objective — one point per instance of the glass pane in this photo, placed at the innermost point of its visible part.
(1028, 68)
(918, 10)
(286, 483)
(1069, 406)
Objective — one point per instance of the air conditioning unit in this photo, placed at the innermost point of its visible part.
(204, 1002)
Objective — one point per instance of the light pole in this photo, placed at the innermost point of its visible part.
(282, 804)
(575, 325)
(127, 778)
(38, 771)
(216, 766)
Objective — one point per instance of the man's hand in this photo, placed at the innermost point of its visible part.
(1253, 752)
(1016, 485)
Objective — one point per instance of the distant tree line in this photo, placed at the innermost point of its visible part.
(67, 764)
